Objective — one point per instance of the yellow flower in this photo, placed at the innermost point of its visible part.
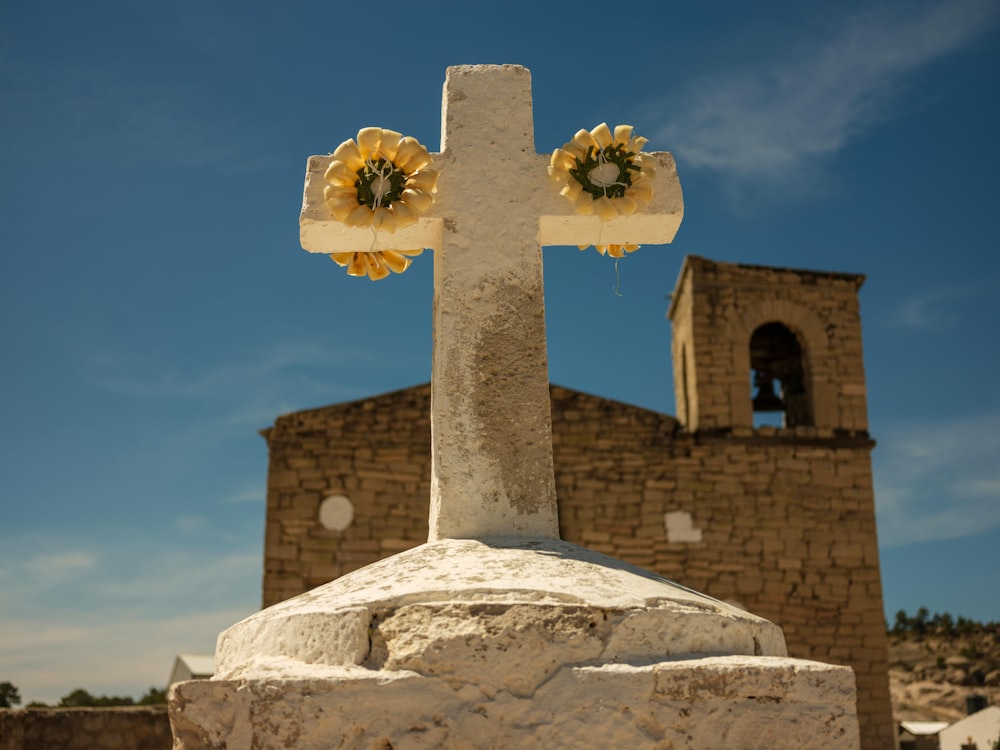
(382, 180)
(614, 251)
(604, 173)
(375, 265)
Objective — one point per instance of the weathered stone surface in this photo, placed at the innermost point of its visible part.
(507, 610)
(728, 701)
(506, 644)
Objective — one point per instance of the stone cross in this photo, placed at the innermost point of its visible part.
(491, 428)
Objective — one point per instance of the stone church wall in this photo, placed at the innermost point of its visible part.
(780, 521)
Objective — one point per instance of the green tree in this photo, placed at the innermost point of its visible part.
(902, 623)
(153, 697)
(81, 698)
(10, 696)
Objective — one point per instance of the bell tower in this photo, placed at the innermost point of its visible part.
(753, 342)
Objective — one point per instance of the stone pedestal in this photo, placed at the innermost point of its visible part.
(510, 643)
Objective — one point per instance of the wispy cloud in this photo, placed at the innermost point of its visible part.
(938, 480)
(923, 311)
(48, 569)
(250, 494)
(122, 655)
(771, 120)
(233, 394)
(104, 110)
(118, 626)
(125, 375)
(942, 305)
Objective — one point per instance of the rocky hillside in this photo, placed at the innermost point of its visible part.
(936, 662)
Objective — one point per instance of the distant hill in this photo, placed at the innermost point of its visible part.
(936, 662)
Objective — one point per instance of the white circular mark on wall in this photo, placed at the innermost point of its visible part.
(336, 512)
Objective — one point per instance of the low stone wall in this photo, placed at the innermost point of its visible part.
(115, 728)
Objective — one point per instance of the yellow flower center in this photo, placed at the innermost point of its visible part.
(381, 186)
(604, 175)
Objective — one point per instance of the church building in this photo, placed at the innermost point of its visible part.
(759, 491)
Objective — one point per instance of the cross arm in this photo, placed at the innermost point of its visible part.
(320, 232)
(655, 224)
(559, 224)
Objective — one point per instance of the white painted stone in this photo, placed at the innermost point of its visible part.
(761, 703)
(510, 643)
(680, 527)
(503, 611)
(491, 432)
(336, 512)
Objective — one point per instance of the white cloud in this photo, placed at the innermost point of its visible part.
(773, 119)
(942, 305)
(938, 481)
(281, 361)
(231, 396)
(192, 524)
(922, 311)
(116, 628)
(62, 562)
(123, 655)
(250, 494)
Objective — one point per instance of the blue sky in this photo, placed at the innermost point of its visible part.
(156, 309)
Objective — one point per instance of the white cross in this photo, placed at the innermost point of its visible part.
(491, 428)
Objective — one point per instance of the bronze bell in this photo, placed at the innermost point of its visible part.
(766, 399)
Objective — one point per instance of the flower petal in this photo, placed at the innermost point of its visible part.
(641, 191)
(404, 214)
(635, 144)
(342, 207)
(395, 261)
(602, 134)
(418, 200)
(562, 159)
(336, 192)
(572, 190)
(357, 266)
(411, 155)
(383, 220)
(359, 217)
(369, 140)
(338, 173)
(558, 176)
(349, 153)
(626, 205)
(577, 150)
(585, 139)
(377, 269)
(584, 203)
(425, 179)
(342, 259)
(622, 134)
(605, 208)
(390, 142)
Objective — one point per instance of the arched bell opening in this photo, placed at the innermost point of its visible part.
(779, 386)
